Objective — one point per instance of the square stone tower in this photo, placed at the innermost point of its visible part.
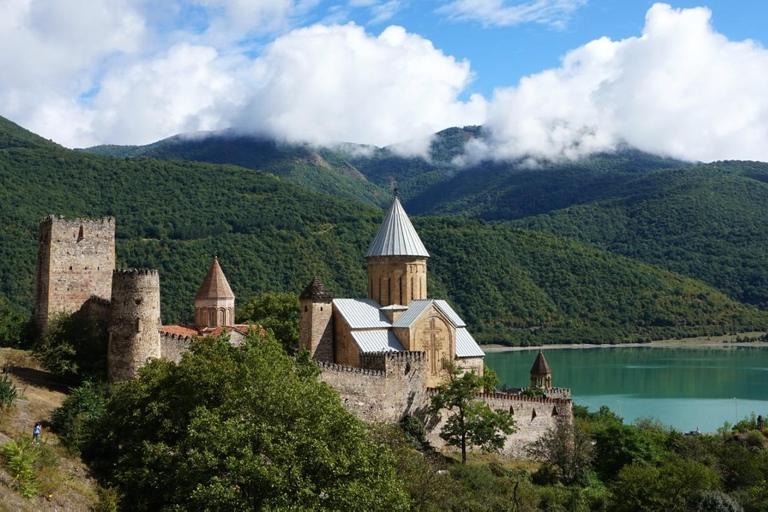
(75, 260)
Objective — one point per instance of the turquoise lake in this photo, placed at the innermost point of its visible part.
(685, 388)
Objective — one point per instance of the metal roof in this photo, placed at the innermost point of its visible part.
(397, 236)
(466, 346)
(415, 309)
(377, 341)
(448, 311)
(361, 313)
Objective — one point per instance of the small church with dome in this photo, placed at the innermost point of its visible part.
(396, 316)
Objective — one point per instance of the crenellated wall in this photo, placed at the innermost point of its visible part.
(386, 388)
(391, 385)
(533, 417)
(173, 346)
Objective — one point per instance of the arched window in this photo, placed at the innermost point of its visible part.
(221, 317)
(212, 317)
(138, 325)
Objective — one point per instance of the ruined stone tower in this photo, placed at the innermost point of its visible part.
(75, 260)
(214, 301)
(316, 321)
(134, 333)
(397, 261)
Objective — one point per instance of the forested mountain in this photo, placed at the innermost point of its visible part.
(704, 221)
(300, 164)
(709, 222)
(273, 235)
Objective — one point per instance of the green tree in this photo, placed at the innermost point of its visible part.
(470, 422)
(15, 326)
(239, 428)
(278, 312)
(567, 449)
(74, 421)
(670, 487)
(73, 346)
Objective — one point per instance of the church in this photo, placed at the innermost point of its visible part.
(396, 316)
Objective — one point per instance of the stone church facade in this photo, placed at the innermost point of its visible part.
(397, 315)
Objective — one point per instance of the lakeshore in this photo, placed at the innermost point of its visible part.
(728, 340)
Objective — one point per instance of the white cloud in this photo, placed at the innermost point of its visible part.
(681, 89)
(504, 13)
(339, 84)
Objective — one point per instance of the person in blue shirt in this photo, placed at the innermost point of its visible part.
(36, 432)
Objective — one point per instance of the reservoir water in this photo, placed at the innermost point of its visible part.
(685, 388)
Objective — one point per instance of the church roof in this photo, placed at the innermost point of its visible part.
(540, 366)
(215, 285)
(417, 307)
(316, 291)
(397, 236)
(466, 346)
(372, 330)
(361, 313)
(383, 340)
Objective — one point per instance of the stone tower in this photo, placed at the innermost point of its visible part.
(541, 375)
(134, 333)
(397, 261)
(75, 260)
(214, 301)
(316, 321)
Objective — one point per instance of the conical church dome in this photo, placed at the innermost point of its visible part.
(397, 236)
(215, 285)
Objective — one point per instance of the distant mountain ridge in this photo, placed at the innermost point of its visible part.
(707, 221)
(509, 284)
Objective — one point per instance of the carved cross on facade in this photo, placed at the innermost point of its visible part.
(433, 343)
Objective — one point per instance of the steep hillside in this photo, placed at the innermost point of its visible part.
(299, 164)
(709, 222)
(272, 235)
(704, 221)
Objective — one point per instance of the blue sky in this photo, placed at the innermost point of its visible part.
(674, 79)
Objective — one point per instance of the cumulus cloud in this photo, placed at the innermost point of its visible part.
(503, 13)
(681, 89)
(82, 75)
(339, 84)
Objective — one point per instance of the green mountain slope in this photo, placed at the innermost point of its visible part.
(508, 283)
(299, 164)
(705, 222)
(14, 136)
(709, 222)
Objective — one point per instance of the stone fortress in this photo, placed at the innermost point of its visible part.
(384, 354)
(76, 273)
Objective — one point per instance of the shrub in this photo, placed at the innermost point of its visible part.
(75, 419)
(7, 393)
(19, 458)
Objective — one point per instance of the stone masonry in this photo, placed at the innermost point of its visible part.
(389, 386)
(386, 388)
(134, 333)
(75, 261)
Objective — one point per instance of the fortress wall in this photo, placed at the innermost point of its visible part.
(389, 387)
(529, 427)
(75, 261)
(172, 346)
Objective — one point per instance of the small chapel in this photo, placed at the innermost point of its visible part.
(397, 315)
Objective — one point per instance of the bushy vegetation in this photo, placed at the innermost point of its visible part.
(72, 345)
(277, 312)
(232, 428)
